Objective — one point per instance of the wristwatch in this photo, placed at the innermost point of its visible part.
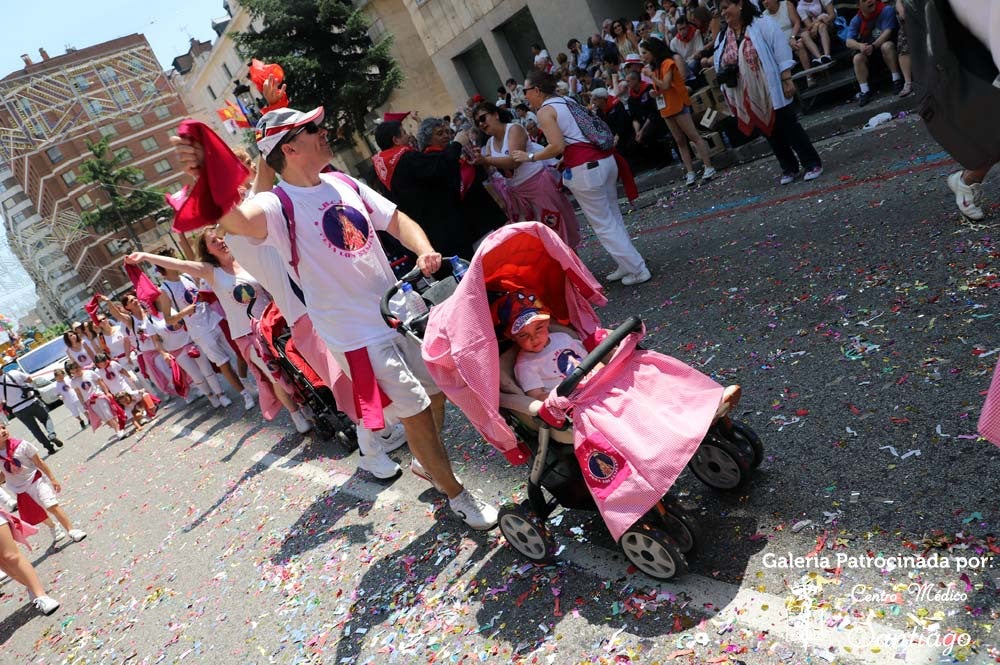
(531, 156)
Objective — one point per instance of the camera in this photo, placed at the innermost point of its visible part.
(729, 75)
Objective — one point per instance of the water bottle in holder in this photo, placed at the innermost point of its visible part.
(458, 268)
(415, 305)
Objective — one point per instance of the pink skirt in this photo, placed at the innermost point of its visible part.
(989, 418)
(315, 352)
(266, 373)
(541, 199)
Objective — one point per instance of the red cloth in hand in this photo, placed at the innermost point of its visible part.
(519, 455)
(92, 307)
(217, 189)
(145, 290)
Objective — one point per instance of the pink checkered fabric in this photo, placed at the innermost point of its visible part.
(989, 418)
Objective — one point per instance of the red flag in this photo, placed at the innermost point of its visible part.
(93, 307)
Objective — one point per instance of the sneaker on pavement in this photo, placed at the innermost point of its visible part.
(45, 605)
(637, 278)
(58, 533)
(813, 173)
(56, 442)
(690, 179)
(708, 174)
(392, 438)
(122, 434)
(301, 424)
(224, 401)
(380, 465)
(787, 178)
(76, 535)
(248, 401)
(420, 472)
(865, 97)
(966, 196)
(616, 275)
(478, 514)
(83, 425)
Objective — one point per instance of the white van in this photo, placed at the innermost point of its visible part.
(40, 364)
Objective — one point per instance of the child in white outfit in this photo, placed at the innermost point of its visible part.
(69, 398)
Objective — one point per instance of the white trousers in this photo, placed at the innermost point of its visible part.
(199, 369)
(596, 190)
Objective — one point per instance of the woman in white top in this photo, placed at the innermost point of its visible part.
(784, 13)
(243, 299)
(534, 191)
(590, 173)
(77, 350)
(818, 17)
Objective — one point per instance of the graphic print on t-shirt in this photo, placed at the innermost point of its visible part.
(85, 386)
(345, 229)
(567, 361)
(190, 296)
(244, 294)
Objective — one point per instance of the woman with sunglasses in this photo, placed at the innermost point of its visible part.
(589, 172)
(534, 189)
(78, 349)
(243, 300)
(625, 40)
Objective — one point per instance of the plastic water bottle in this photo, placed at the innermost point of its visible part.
(415, 305)
(458, 268)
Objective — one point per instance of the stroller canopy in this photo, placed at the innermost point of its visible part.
(460, 345)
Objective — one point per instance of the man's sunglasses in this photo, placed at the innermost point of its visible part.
(481, 119)
(308, 128)
(533, 87)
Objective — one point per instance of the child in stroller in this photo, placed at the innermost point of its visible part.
(638, 421)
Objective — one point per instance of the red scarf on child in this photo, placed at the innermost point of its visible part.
(868, 22)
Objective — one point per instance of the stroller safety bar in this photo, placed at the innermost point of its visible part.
(587, 365)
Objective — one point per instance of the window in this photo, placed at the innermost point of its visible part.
(3, 187)
(136, 122)
(139, 178)
(55, 154)
(108, 75)
(225, 70)
(174, 187)
(161, 111)
(84, 201)
(211, 93)
(162, 166)
(136, 66)
(80, 82)
(18, 218)
(94, 107)
(148, 88)
(149, 144)
(121, 97)
(109, 131)
(123, 155)
(69, 178)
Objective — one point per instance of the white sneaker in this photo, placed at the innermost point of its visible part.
(478, 514)
(787, 178)
(45, 605)
(967, 197)
(380, 465)
(248, 400)
(691, 178)
(813, 173)
(76, 535)
(420, 472)
(214, 401)
(224, 401)
(122, 434)
(301, 424)
(708, 173)
(58, 533)
(392, 438)
(618, 273)
(637, 278)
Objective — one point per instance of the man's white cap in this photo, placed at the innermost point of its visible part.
(599, 92)
(275, 125)
(562, 86)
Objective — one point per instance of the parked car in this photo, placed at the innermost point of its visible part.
(40, 364)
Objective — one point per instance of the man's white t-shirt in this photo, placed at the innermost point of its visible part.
(342, 268)
(268, 268)
(19, 478)
(12, 390)
(547, 368)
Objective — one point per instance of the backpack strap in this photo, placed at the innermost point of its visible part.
(288, 210)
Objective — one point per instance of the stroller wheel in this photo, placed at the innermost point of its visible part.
(747, 441)
(653, 552)
(721, 464)
(526, 533)
(348, 439)
(681, 526)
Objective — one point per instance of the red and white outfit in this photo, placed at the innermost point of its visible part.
(100, 407)
(343, 282)
(592, 177)
(117, 378)
(177, 342)
(203, 324)
(152, 363)
(83, 356)
(23, 478)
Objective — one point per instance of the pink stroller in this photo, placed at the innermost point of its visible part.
(637, 421)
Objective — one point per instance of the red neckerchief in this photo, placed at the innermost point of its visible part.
(688, 34)
(643, 87)
(466, 170)
(385, 163)
(868, 22)
(8, 459)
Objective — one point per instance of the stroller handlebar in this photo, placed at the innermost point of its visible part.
(587, 365)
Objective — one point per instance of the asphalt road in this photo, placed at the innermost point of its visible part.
(858, 312)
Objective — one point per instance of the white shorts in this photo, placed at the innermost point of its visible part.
(102, 410)
(43, 493)
(213, 344)
(401, 374)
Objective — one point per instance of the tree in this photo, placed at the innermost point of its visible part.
(129, 203)
(327, 55)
